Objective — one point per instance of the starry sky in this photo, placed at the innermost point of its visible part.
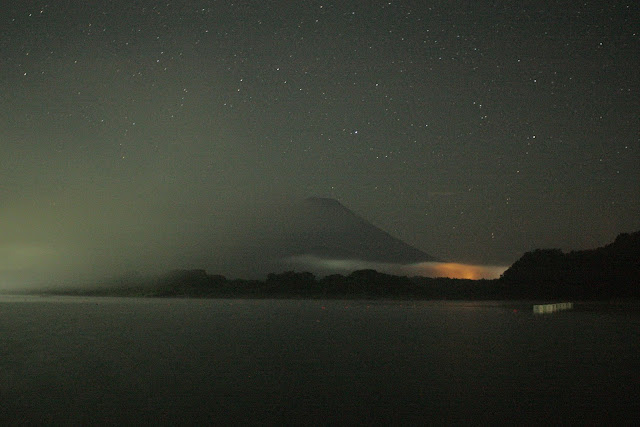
(473, 130)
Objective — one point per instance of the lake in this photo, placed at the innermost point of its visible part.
(75, 360)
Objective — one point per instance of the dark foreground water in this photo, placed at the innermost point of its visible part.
(72, 360)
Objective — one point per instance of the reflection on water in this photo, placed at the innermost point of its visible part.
(82, 360)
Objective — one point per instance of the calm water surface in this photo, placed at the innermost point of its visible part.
(70, 360)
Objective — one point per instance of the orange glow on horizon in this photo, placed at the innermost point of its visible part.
(458, 271)
(451, 270)
(454, 270)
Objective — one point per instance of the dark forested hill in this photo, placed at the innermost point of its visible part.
(610, 271)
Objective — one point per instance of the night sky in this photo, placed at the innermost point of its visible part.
(473, 130)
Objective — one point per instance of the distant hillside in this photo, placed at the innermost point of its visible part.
(609, 271)
(325, 228)
(612, 271)
(289, 284)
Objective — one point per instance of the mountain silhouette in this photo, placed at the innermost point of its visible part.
(285, 234)
(325, 228)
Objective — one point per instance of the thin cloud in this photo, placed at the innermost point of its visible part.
(425, 269)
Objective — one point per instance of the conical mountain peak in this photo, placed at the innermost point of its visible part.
(324, 227)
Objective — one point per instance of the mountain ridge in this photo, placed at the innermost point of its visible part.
(324, 227)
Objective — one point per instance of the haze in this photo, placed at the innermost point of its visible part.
(167, 135)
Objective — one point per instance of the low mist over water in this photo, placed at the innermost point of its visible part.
(108, 360)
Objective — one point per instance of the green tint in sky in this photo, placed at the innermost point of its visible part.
(475, 131)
